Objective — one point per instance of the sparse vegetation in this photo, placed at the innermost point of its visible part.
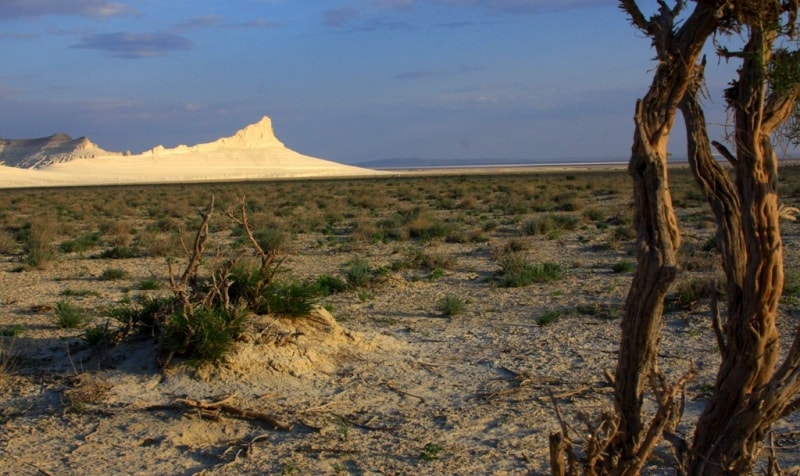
(517, 271)
(70, 316)
(451, 305)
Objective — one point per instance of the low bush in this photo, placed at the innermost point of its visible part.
(548, 317)
(451, 305)
(37, 242)
(113, 274)
(118, 252)
(516, 271)
(70, 316)
(358, 273)
(207, 334)
(80, 244)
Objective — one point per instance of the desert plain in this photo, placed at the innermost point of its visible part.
(438, 362)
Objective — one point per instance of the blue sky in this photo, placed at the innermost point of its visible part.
(346, 80)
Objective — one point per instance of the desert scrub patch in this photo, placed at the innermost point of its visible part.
(99, 336)
(37, 238)
(69, 292)
(451, 305)
(517, 271)
(327, 285)
(418, 258)
(207, 334)
(687, 293)
(149, 284)
(548, 317)
(600, 311)
(791, 286)
(113, 274)
(118, 252)
(70, 316)
(292, 299)
(13, 330)
(8, 245)
(358, 273)
(80, 244)
(623, 266)
(550, 225)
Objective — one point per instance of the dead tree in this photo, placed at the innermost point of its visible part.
(678, 46)
(751, 391)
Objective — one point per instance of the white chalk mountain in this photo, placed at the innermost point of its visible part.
(253, 153)
(37, 153)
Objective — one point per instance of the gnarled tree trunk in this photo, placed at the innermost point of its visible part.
(658, 236)
(748, 396)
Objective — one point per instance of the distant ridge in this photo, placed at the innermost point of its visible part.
(41, 152)
(252, 153)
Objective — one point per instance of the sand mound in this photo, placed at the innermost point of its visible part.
(296, 347)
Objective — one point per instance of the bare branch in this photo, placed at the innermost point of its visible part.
(725, 152)
(637, 18)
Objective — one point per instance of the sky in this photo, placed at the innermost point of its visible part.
(345, 80)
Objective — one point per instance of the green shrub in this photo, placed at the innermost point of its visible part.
(208, 334)
(78, 292)
(293, 299)
(146, 314)
(550, 224)
(516, 271)
(80, 244)
(70, 316)
(98, 337)
(118, 252)
(113, 274)
(327, 285)
(548, 317)
(687, 293)
(270, 239)
(357, 272)
(149, 284)
(623, 267)
(451, 305)
(12, 330)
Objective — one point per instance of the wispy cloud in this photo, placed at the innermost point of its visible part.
(135, 45)
(14, 9)
(218, 21)
(339, 17)
(208, 21)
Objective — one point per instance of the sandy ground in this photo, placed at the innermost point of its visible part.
(386, 386)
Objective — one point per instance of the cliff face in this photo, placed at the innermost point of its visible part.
(58, 148)
(255, 136)
(36, 153)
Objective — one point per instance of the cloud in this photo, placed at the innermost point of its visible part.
(135, 45)
(217, 21)
(338, 17)
(208, 21)
(15, 9)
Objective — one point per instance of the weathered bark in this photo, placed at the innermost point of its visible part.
(748, 398)
(658, 236)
